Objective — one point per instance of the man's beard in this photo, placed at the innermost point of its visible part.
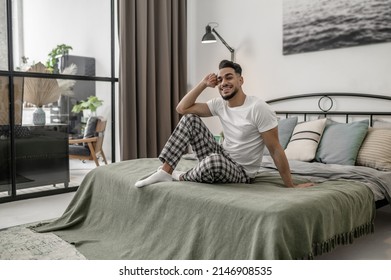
(228, 97)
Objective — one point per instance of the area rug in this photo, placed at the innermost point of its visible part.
(21, 243)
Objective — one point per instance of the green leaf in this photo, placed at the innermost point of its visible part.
(92, 103)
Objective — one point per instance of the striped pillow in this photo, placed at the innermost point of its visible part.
(305, 140)
(375, 151)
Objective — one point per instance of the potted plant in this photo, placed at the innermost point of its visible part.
(54, 55)
(87, 106)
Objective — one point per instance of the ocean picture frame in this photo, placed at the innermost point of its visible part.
(315, 25)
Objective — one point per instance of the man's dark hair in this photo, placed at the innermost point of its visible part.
(230, 64)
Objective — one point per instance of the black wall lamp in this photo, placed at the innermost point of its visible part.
(210, 38)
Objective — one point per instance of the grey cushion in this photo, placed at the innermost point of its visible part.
(78, 150)
(90, 128)
(285, 129)
(341, 142)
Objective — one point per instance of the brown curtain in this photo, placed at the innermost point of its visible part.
(153, 73)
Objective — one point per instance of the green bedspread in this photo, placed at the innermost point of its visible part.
(111, 219)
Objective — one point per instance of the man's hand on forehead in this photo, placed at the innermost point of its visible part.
(211, 80)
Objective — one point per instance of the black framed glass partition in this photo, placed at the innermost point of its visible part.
(51, 62)
(3, 36)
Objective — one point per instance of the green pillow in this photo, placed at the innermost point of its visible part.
(341, 142)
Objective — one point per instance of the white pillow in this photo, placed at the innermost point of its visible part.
(305, 140)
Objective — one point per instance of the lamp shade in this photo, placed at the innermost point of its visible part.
(208, 37)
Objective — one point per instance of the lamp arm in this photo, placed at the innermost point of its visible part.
(223, 41)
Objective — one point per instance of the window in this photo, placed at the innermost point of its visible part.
(58, 54)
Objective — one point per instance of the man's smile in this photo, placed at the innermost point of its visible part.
(226, 89)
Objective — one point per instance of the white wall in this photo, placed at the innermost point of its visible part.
(254, 29)
(83, 24)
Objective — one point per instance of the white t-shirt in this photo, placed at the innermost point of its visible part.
(242, 126)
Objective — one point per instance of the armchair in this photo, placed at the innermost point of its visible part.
(90, 146)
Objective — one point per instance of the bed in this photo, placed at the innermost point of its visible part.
(109, 218)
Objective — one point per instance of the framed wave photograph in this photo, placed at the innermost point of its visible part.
(315, 25)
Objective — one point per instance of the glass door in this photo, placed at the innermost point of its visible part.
(58, 54)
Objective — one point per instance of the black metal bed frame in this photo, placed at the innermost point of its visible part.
(327, 111)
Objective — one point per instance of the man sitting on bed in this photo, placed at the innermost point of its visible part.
(248, 125)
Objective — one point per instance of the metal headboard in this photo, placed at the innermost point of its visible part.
(327, 111)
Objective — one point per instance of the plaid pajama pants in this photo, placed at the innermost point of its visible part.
(214, 163)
